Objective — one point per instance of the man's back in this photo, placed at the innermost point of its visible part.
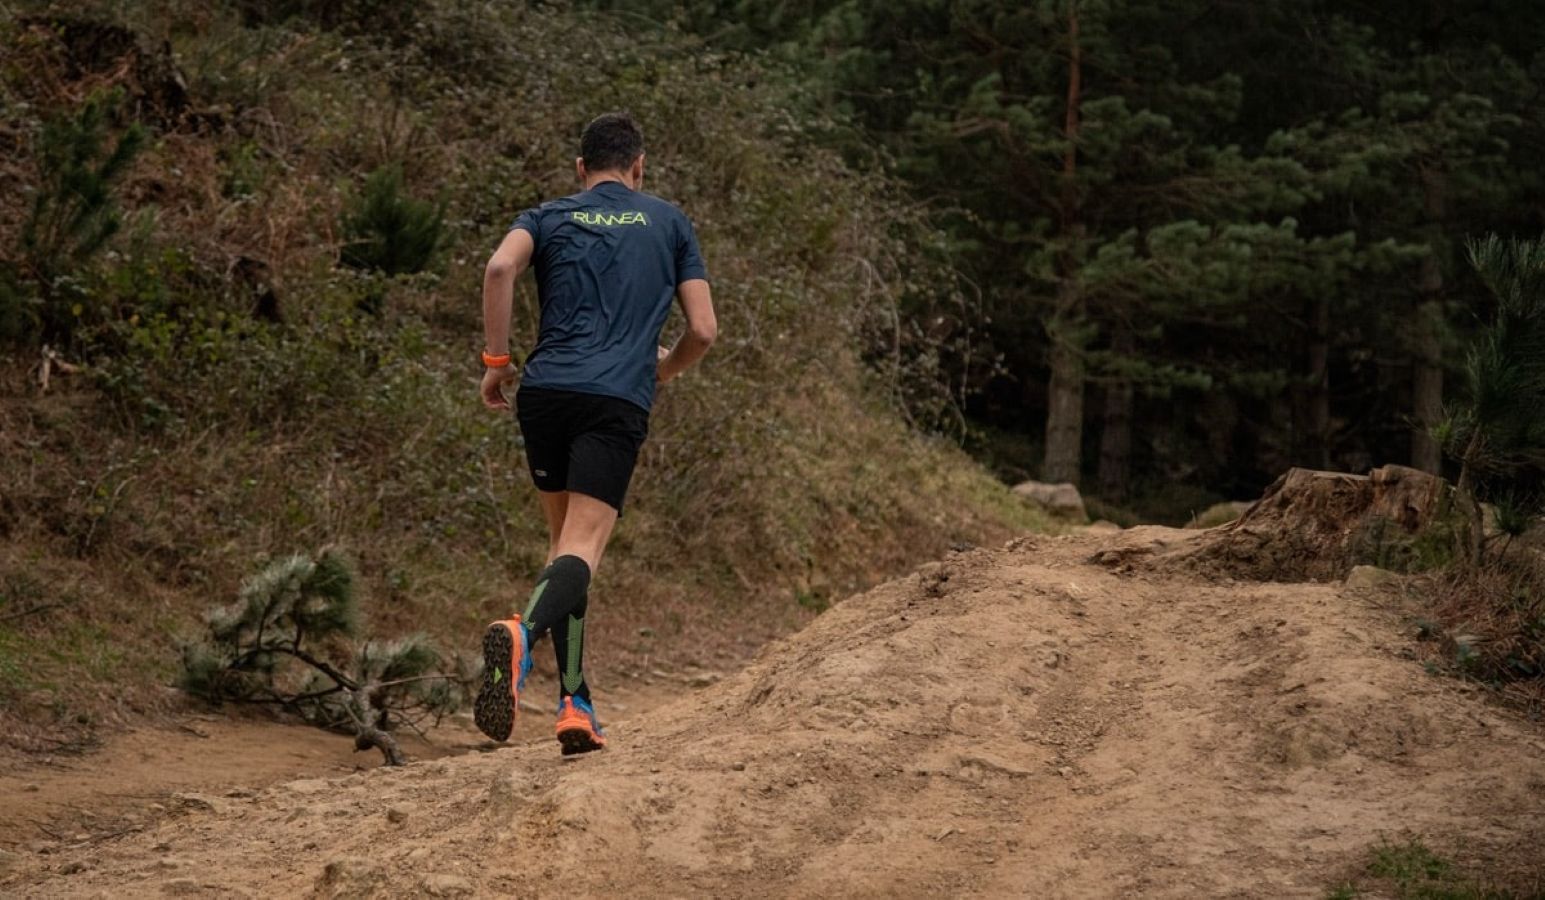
(608, 261)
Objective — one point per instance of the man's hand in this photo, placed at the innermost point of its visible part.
(494, 383)
(660, 375)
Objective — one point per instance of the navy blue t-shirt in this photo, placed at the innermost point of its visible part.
(607, 263)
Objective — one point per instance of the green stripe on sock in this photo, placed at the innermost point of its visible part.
(572, 676)
(536, 594)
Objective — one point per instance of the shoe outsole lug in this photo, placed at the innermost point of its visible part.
(494, 710)
(578, 740)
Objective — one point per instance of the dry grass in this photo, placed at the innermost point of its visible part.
(1492, 625)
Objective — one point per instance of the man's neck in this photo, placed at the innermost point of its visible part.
(603, 177)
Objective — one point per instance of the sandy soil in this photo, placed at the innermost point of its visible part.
(1012, 722)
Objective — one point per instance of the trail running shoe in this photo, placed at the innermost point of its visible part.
(506, 662)
(577, 728)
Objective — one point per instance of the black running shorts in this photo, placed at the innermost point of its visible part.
(587, 443)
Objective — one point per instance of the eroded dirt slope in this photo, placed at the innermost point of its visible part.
(1007, 722)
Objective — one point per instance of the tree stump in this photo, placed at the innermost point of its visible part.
(1315, 526)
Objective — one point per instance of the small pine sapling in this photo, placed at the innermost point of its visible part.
(385, 230)
(290, 640)
(1496, 432)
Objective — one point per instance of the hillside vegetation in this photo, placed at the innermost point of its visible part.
(242, 245)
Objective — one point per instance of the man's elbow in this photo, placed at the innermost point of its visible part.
(499, 269)
(704, 333)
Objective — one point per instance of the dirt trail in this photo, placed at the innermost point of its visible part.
(133, 777)
(1005, 723)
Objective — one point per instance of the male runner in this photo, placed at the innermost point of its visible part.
(608, 261)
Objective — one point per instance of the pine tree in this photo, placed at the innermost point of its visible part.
(1245, 211)
(1496, 431)
(1423, 145)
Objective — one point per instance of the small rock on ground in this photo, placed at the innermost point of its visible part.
(1370, 578)
(349, 877)
(1058, 499)
(441, 885)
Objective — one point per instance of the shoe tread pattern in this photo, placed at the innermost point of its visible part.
(494, 709)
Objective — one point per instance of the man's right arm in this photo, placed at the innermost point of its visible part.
(702, 328)
(512, 257)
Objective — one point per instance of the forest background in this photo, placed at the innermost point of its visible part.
(1201, 241)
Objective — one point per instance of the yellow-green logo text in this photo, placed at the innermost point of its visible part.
(610, 219)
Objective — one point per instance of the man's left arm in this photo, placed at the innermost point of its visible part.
(512, 258)
(702, 329)
(696, 300)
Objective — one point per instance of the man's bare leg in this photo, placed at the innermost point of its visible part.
(585, 534)
(587, 526)
(555, 505)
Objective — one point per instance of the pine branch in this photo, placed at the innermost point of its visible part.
(322, 666)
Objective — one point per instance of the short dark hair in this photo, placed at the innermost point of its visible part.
(611, 142)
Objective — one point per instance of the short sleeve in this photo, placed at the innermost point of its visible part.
(531, 221)
(689, 259)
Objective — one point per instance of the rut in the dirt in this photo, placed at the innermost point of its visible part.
(1002, 723)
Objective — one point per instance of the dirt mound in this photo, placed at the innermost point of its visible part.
(1008, 722)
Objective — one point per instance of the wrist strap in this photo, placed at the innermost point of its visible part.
(495, 362)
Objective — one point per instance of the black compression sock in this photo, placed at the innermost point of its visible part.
(559, 591)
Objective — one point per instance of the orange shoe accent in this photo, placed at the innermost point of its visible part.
(577, 732)
(504, 668)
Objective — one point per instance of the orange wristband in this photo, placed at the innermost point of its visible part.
(495, 362)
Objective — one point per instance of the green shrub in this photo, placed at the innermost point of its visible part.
(73, 215)
(387, 231)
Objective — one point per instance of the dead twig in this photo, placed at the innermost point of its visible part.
(109, 835)
(33, 610)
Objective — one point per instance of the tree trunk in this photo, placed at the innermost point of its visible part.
(1116, 442)
(1319, 383)
(1116, 432)
(367, 726)
(1065, 391)
(1064, 407)
(1427, 338)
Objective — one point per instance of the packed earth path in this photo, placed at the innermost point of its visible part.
(1078, 716)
